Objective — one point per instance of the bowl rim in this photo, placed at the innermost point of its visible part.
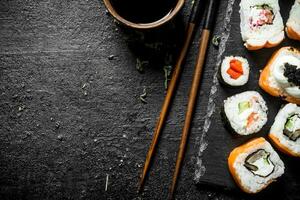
(150, 25)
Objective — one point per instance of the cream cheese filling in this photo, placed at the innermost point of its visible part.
(277, 77)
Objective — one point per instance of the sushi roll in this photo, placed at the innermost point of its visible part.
(281, 75)
(261, 23)
(246, 112)
(255, 165)
(234, 71)
(285, 132)
(293, 24)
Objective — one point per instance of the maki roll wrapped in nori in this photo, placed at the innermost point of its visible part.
(234, 71)
(246, 113)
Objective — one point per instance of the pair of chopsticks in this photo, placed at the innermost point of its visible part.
(205, 35)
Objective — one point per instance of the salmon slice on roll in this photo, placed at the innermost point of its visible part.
(255, 165)
(285, 131)
(281, 75)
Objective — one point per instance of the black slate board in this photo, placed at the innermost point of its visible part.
(217, 142)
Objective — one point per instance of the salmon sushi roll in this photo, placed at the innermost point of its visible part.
(285, 131)
(281, 76)
(255, 165)
(293, 24)
(245, 113)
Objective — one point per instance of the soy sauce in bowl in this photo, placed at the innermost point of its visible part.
(144, 11)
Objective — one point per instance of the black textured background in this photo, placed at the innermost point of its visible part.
(70, 114)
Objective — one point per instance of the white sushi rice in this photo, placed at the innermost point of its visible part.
(250, 181)
(238, 121)
(243, 79)
(272, 33)
(278, 126)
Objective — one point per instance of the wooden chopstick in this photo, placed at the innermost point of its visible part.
(208, 25)
(194, 18)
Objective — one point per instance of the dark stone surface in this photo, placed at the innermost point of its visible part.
(70, 113)
(221, 141)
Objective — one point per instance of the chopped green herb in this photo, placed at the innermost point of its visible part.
(140, 65)
(167, 71)
(84, 85)
(216, 40)
(111, 57)
(21, 108)
(143, 96)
